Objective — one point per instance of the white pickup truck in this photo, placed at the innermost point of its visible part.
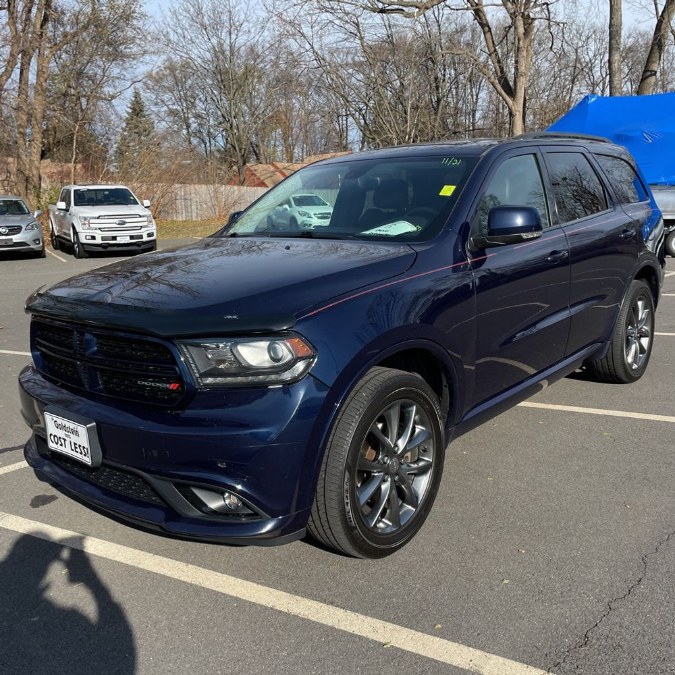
(99, 218)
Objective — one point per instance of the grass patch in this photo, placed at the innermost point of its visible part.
(179, 229)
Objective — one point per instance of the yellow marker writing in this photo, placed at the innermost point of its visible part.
(447, 190)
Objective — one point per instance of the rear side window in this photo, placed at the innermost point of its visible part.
(577, 189)
(626, 183)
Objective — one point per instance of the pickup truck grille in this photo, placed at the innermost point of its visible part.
(120, 223)
(116, 365)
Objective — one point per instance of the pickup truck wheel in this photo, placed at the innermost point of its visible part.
(78, 250)
(633, 338)
(382, 466)
(670, 244)
(53, 238)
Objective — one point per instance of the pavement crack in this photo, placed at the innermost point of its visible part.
(612, 604)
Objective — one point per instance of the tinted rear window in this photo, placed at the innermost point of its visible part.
(577, 189)
(625, 181)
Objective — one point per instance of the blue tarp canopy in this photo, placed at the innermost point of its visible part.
(643, 124)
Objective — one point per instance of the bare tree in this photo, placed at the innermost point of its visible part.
(615, 28)
(661, 30)
(508, 80)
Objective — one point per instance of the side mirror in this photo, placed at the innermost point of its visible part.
(234, 217)
(510, 225)
(146, 203)
(61, 206)
(37, 214)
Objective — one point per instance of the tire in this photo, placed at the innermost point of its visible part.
(41, 253)
(632, 340)
(56, 244)
(670, 244)
(293, 224)
(355, 510)
(78, 249)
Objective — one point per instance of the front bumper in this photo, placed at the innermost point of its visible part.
(253, 443)
(94, 240)
(25, 242)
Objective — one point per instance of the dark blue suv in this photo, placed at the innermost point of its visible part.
(267, 381)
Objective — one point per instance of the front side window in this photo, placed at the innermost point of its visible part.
(625, 181)
(577, 189)
(379, 198)
(515, 182)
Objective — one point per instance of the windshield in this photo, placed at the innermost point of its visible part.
(397, 198)
(13, 207)
(308, 200)
(104, 197)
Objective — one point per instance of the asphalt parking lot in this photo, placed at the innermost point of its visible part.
(551, 548)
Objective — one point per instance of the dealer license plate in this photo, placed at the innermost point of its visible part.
(6, 241)
(122, 238)
(68, 438)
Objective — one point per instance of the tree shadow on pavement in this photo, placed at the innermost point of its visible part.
(37, 635)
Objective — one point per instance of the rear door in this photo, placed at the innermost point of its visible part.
(603, 243)
(522, 290)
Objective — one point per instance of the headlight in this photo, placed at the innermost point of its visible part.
(240, 361)
(32, 226)
(85, 222)
(305, 214)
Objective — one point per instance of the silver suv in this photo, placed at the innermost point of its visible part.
(19, 228)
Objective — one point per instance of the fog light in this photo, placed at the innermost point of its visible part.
(36, 241)
(89, 237)
(232, 501)
(150, 235)
(212, 501)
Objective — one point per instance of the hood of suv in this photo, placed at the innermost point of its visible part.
(222, 285)
(91, 211)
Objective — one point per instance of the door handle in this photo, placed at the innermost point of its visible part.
(627, 234)
(556, 256)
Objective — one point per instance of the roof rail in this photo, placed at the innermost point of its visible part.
(563, 135)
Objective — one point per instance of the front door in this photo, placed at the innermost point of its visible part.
(522, 290)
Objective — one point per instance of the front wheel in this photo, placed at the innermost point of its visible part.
(78, 249)
(54, 239)
(382, 466)
(633, 338)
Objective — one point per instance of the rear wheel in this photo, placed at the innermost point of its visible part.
(633, 338)
(382, 466)
(670, 244)
(78, 249)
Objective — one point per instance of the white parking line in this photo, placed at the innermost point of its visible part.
(382, 632)
(12, 467)
(669, 295)
(58, 257)
(9, 351)
(599, 411)
(666, 334)
(670, 274)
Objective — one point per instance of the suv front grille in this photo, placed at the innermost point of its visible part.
(13, 229)
(132, 368)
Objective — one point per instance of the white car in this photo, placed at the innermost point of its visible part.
(304, 212)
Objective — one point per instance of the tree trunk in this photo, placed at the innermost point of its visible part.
(648, 79)
(615, 27)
